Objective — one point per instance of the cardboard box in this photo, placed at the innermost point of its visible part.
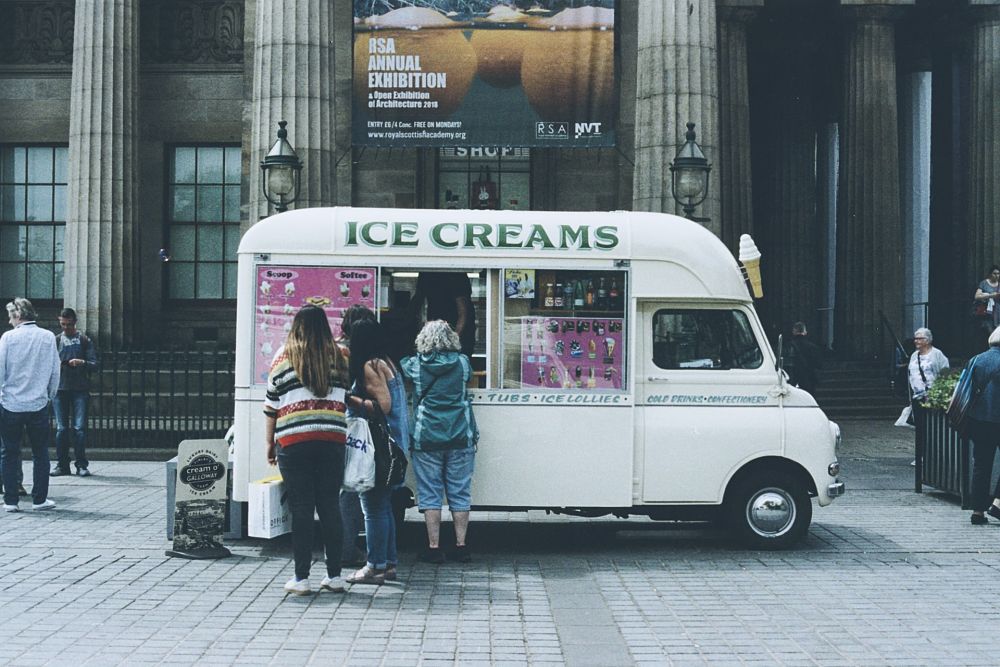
(269, 515)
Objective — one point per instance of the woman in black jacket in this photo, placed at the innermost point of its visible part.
(984, 429)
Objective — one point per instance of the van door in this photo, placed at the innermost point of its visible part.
(704, 387)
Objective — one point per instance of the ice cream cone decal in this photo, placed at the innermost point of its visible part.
(750, 259)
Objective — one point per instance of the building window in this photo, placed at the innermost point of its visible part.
(32, 221)
(484, 178)
(203, 221)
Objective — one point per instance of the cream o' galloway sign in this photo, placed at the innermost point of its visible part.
(484, 73)
(200, 509)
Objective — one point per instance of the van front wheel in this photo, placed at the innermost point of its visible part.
(769, 511)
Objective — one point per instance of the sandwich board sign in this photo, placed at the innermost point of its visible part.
(200, 505)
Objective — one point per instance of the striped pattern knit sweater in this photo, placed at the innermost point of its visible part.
(301, 415)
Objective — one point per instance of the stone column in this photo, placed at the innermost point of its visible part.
(295, 79)
(790, 235)
(676, 83)
(983, 238)
(869, 228)
(99, 279)
(733, 163)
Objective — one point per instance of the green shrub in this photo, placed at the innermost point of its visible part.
(942, 388)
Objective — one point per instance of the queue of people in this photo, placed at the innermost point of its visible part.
(315, 384)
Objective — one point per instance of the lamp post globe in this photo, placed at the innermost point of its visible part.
(281, 169)
(689, 175)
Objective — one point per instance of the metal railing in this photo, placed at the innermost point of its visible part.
(155, 398)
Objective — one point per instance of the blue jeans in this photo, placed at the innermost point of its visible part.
(380, 528)
(313, 472)
(13, 426)
(70, 408)
(445, 473)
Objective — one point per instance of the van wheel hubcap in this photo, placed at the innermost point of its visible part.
(771, 512)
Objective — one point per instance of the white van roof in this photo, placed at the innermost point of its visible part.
(670, 255)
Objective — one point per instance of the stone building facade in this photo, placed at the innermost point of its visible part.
(855, 139)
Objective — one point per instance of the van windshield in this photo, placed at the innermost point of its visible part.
(701, 339)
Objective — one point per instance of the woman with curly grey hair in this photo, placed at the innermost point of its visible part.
(444, 434)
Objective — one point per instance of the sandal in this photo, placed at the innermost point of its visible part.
(367, 575)
(390, 573)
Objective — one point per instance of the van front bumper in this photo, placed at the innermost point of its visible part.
(835, 489)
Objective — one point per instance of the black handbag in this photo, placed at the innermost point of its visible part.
(390, 461)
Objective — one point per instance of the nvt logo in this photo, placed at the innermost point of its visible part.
(587, 130)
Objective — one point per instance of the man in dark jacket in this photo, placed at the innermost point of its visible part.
(79, 359)
(803, 359)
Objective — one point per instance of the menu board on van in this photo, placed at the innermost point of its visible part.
(282, 290)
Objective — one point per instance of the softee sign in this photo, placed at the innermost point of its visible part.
(480, 235)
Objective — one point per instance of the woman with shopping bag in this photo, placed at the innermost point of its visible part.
(305, 430)
(378, 389)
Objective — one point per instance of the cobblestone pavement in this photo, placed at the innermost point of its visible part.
(886, 576)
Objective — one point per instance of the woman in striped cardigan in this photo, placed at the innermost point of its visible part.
(305, 430)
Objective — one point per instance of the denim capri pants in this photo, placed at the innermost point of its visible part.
(444, 473)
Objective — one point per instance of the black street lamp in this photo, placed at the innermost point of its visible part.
(282, 168)
(689, 172)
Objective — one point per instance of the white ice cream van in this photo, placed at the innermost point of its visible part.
(621, 367)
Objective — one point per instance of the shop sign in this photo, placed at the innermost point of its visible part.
(481, 72)
(480, 235)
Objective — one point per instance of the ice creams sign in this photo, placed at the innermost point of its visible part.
(479, 235)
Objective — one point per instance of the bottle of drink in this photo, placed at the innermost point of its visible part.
(589, 297)
(549, 296)
(568, 295)
(614, 296)
(578, 294)
(602, 295)
(558, 300)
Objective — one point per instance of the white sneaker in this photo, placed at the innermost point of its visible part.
(334, 584)
(297, 586)
(48, 504)
(11, 508)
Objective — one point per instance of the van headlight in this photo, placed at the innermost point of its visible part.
(835, 430)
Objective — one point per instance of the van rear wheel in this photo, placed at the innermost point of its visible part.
(769, 510)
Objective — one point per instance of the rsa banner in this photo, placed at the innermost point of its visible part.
(484, 73)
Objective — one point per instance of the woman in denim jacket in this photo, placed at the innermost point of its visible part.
(444, 434)
(984, 429)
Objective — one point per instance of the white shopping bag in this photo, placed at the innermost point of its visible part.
(906, 418)
(269, 515)
(359, 461)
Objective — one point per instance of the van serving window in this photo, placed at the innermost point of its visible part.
(564, 330)
(697, 339)
(409, 297)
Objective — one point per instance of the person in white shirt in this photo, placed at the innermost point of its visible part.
(29, 379)
(925, 364)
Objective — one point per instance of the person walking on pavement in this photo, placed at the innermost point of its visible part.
(926, 363)
(377, 380)
(29, 379)
(984, 429)
(987, 301)
(443, 446)
(305, 429)
(79, 360)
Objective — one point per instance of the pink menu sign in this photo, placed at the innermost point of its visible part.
(571, 352)
(282, 290)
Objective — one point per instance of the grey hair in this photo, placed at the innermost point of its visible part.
(437, 336)
(995, 337)
(925, 332)
(22, 309)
